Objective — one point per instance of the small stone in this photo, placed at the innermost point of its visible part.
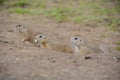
(48, 58)
(115, 59)
(10, 30)
(5, 41)
(74, 61)
(53, 61)
(17, 59)
(87, 57)
(77, 64)
(11, 48)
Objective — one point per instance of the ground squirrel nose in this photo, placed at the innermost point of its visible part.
(36, 41)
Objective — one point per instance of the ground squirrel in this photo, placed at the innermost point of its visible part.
(79, 47)
(43, 42)
(27, 33)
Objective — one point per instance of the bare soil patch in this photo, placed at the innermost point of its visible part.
(20, 61)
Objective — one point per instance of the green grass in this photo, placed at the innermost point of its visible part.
(118, 45)
(79, 11)
(2, 1)
(115, 24)
(86, 19)
(59, 14)
(118, 48)
(21, 11)
(26, 11)
(20, 3)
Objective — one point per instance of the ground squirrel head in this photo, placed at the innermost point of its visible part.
(76, 41)
(40, 40)
(21, 28)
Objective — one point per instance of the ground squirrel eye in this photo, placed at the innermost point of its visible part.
(40, 36)
(75, 38)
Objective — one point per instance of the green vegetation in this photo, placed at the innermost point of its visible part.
(115, 24)
(79, 11)
(20, 3)
(21, 11)
(118, 48)
(2, 1)
(118, 45)
(60, 14)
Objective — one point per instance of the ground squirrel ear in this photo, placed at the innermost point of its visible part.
(80, 40)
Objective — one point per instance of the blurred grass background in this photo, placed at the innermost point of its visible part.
(77, 11)
(87, 12)
(93, 12)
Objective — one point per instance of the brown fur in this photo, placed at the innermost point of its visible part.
(44, 42)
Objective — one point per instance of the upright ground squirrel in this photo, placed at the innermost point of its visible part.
(43, 42)
(79, 47)
(27, 33)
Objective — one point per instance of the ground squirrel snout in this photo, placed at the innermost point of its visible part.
(44, 42)
(26, 33)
